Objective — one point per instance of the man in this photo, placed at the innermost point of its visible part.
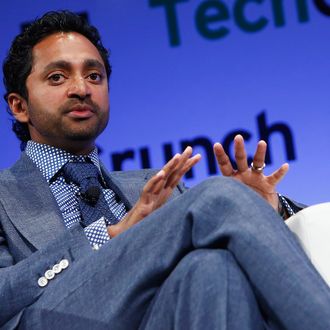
(82, 248)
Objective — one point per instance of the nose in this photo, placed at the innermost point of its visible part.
(79, 88)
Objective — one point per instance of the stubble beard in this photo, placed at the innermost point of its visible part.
(60, 128)
(90, 128)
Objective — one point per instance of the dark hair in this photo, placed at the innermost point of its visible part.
(18, 63)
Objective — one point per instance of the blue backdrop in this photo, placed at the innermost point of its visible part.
(198, 71)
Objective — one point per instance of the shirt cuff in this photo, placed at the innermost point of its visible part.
(97, 233)
(285, 207)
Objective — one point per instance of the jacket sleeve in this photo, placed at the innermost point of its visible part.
(19, 286)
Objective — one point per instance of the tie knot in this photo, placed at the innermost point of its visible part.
(81, 173)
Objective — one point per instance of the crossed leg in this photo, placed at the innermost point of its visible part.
(207, 290)
(115, 286)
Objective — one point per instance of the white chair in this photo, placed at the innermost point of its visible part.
(312, 227)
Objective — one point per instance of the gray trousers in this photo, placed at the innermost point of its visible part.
(217, 257)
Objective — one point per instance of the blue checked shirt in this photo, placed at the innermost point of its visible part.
(49, 161)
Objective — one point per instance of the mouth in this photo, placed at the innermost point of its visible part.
(81, 112)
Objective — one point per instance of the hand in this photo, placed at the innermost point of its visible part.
(262, 184)
(157, 190)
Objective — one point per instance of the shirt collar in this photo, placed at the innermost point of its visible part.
(50, 160)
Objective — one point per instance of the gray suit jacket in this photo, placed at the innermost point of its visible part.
(33, 235)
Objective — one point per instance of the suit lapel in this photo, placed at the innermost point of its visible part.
(31, 206)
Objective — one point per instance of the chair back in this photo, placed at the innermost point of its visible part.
(312, 227)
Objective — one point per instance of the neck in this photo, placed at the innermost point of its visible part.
(78, 149)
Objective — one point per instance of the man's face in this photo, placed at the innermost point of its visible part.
(68, 102)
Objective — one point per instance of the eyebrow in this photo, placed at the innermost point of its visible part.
(65, 65)
(91, 63)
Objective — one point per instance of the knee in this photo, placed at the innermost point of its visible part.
(222, 184)
(205, 262)
(226, 190)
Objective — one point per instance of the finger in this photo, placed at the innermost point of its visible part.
(171, 164)
(183, 160)
(240, 153)
(153, 186)
(278, 175)
(223, 160)
(157, 183)
(170, 168)
(260, 154)
(189, 164)
(175, 179)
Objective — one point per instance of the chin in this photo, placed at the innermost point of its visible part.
(85, 131)
(85, 135)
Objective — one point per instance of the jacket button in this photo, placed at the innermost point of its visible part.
(50, 274)
(57, 268)
(64, 263)
(42, 282)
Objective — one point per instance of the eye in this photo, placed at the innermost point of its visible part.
(56, 78)
(95, 77)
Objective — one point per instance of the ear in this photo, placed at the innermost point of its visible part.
(18, 107)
